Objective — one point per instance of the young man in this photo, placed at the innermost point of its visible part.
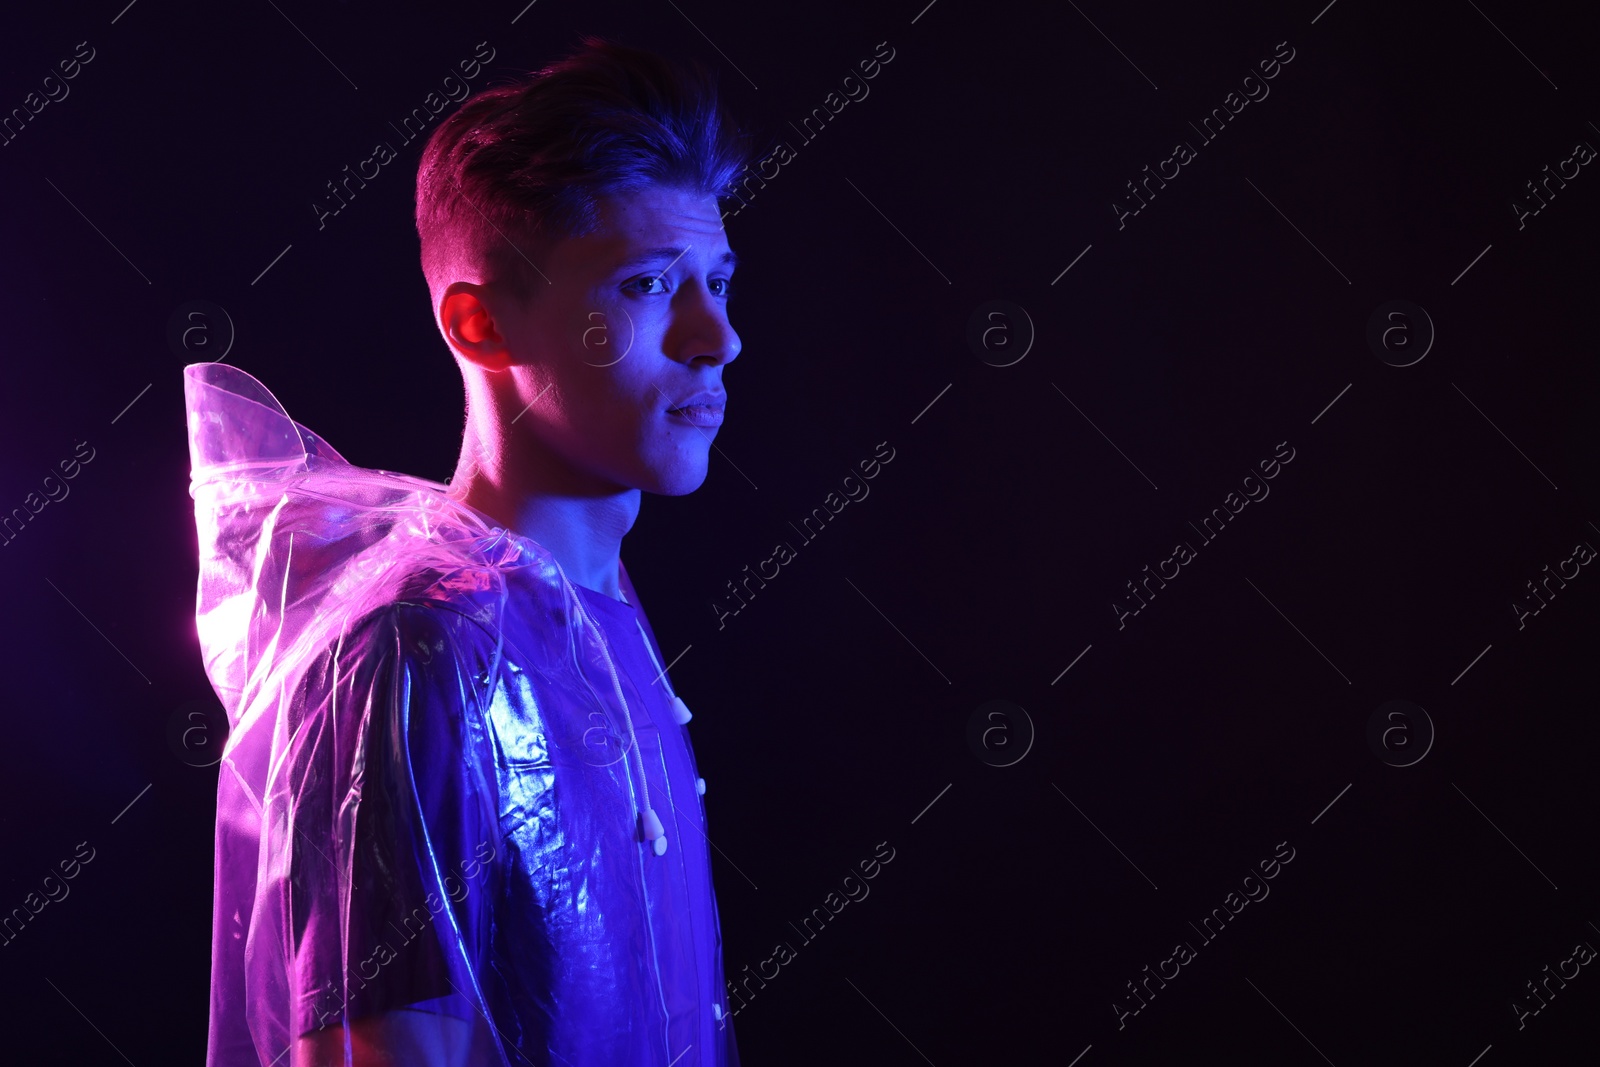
(459, 820)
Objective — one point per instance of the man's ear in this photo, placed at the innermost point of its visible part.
(469, 326)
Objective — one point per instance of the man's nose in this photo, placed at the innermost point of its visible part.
(700, 321)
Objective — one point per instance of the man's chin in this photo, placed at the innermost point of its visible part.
(679, 481)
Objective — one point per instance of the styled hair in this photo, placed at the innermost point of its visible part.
(527, 162)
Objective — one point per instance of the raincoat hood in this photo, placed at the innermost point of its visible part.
(296, 543)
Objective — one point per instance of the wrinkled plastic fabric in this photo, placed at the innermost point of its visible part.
(429, 801)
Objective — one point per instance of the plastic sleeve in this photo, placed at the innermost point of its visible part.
(388, 842)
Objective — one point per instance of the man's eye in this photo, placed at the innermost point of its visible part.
(722, 286)
(647, 281)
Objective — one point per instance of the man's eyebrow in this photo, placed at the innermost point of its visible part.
(672, 254)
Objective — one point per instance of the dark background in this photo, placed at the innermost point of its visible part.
(1175, 754)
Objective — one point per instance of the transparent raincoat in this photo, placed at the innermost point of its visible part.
(451, 828)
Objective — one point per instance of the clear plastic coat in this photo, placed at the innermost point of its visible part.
(434, 810)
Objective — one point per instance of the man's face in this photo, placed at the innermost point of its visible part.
(631, 326)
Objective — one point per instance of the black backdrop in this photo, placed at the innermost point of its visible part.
(1150, 761)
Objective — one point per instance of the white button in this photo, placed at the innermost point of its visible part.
(716, 1010)
(700, 786)
(680, 711)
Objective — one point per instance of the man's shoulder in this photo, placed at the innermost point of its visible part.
(426, 655)
(418, 629)
(474, 615)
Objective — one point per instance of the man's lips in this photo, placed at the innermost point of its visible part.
(702, 409)
(699, 414)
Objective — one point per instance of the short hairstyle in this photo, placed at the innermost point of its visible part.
(527, 161)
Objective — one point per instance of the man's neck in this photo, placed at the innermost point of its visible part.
(583, 532)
